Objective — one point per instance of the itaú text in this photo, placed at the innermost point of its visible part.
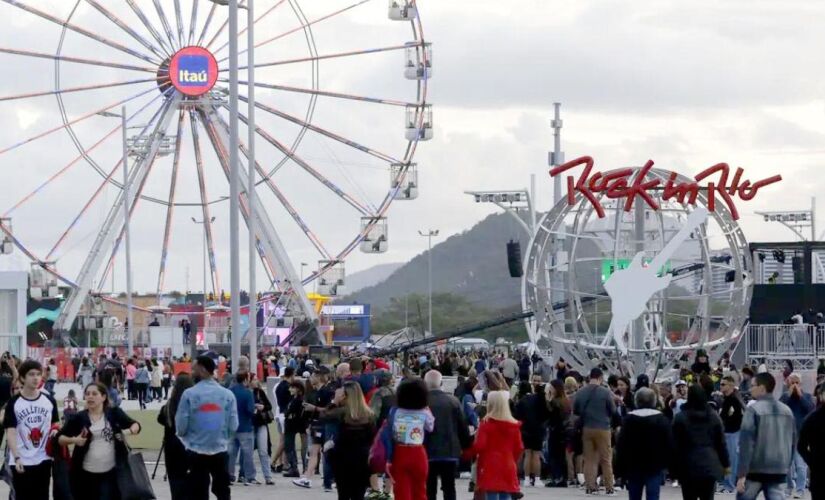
(618, 184)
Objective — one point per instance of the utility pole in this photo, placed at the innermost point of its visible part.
(234, 189)
(429, 235)
(557, 156)
(129, 319)
(250, 187)
(193, 337)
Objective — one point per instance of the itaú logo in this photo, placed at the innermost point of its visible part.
(193, 71)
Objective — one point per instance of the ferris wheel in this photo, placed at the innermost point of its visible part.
(341, 100)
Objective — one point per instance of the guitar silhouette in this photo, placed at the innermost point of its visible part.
(631, 288)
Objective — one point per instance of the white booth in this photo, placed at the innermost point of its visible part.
(13, 286)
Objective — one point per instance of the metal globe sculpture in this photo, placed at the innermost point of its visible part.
(638, 277)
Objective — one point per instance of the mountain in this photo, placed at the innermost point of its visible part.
(371, 276)
(472, 264)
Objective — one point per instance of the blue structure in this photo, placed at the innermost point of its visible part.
(341, 314)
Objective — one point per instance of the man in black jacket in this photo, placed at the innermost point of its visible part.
(450, 435)
(811, 445)
(644, 446)
(731, 413)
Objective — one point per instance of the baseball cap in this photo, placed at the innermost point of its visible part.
(680, 383)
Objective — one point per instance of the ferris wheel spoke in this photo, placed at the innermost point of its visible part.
(76, 120)
(323, 93)
(193, 21)
(303, 26)
(132, 208)
(83, 88)
(81, 31)
(246, 210)
(106, 180)
(244, 30)
(85, 208)
(207, 219)
(281, 198)
(310, 170)
(170, 209)
(60, 172)
(165, 23)
(150, 27)
(327, 56)
(78, 158)
(206, 23)
(313, 238)
(179, 21)
(220, 30)
(223, 160)
(138, 194)
(78, 60)
(125, 27)
(326, 133)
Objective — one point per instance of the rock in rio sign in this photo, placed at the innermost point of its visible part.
(193, 71)
(618, 184)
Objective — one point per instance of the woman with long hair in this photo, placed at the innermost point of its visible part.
(701, 454)
(176, 461)
(97, 434)
(559, 433)
(351, 448)
(156, 380)
(498, 447)
(142, 379)
(261, 419)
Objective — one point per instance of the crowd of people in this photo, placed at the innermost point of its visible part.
(373, 428)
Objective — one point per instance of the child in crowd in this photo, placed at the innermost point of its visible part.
(69, 405)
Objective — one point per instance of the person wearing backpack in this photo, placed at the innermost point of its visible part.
(404, 434)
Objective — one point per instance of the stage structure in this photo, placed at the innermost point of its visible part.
(653, 267)
(328, 165)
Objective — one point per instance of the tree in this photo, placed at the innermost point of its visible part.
(449, 311)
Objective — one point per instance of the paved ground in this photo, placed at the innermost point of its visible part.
(284, 489)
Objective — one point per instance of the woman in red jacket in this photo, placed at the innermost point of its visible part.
(498, 447)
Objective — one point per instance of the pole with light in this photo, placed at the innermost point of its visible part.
(193, 338)
(250, 186)
(130, 339)
(234, 186)
(429, 235)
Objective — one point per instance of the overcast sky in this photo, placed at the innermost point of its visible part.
(685, 84)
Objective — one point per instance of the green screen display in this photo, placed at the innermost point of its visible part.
(610, 266)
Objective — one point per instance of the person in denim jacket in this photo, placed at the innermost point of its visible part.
(206, 418)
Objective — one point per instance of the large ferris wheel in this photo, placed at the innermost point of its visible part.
(341, 95)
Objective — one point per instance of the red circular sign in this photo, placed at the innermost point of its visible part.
(193, 71)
